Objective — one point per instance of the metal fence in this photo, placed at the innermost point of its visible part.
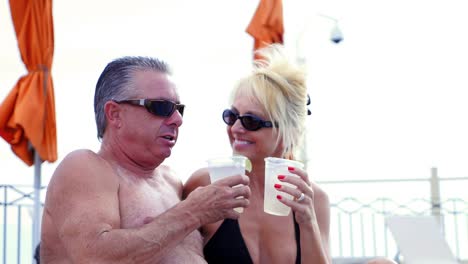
(16, 214)
(357, 227)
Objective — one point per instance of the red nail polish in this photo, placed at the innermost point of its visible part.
(279, 197)
(281, 177)
(277, 186)
(291, 168)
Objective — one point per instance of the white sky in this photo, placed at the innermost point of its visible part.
(387, 102)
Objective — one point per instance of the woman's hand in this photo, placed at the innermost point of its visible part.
(312, 213)
(303, 203)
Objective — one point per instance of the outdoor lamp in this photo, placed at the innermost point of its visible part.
(336, 36)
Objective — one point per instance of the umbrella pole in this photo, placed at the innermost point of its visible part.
(37, 201)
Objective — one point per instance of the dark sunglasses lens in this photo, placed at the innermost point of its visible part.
(229, 117)
(251, 122)
(161, 108)
(181, 109)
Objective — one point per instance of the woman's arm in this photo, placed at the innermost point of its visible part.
(312, 213)
(315, 234)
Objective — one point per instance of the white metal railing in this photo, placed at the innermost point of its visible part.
(16, 225)
(357, 226)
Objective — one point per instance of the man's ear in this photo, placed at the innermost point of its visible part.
(112, 110)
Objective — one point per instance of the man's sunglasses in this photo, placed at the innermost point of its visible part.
(157, 107)
(248, 121)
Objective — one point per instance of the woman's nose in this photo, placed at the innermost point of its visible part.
(237, 126)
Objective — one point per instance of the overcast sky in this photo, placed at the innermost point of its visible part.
(390, 101)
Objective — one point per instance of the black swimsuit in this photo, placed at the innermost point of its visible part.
(227, 245)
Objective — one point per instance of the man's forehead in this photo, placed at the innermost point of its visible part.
(156, 85)
(150, 77)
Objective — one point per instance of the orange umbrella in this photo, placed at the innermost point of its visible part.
(266, 26)
(27, 115)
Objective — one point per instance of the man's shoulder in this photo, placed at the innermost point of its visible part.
(79, 165)
(79, 159)
(168, 174)
(166, 171)
(81, 154)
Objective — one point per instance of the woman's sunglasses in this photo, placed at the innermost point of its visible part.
(157, 107)
(248, 121)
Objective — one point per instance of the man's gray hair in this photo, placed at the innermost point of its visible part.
(115, 83)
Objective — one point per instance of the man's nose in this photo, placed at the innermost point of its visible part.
(176, 118)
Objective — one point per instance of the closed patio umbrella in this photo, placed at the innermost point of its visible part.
(266, 26)
(27, 114)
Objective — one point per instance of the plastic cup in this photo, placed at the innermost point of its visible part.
(222, 167)
(273, 168)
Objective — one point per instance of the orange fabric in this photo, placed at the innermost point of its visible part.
(27, 114)
(266, 26)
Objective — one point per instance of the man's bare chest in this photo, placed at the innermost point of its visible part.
(140, 203)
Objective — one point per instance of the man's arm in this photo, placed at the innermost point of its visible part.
(83, 204)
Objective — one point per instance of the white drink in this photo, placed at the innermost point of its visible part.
(220, 168)
(273, 168)
(221, 171)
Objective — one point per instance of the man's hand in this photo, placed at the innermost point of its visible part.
(217, 201)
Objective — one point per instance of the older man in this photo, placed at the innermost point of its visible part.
(120, 205)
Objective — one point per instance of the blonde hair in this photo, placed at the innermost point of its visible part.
(280, 87)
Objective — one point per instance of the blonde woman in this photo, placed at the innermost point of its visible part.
(267, 118)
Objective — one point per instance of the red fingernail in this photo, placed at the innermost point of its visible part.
(279, 197)
(277, 186)
(281, 177)
(291, 168)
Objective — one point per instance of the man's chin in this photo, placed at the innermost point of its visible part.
(166, 153)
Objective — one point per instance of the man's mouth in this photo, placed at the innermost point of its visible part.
(169, 137)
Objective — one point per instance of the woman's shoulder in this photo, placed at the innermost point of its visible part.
(200, 173)
(319, 194)
(199, 178)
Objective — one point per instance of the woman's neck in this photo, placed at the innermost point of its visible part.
(257, 178)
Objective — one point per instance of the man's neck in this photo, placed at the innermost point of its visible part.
(124, 163)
